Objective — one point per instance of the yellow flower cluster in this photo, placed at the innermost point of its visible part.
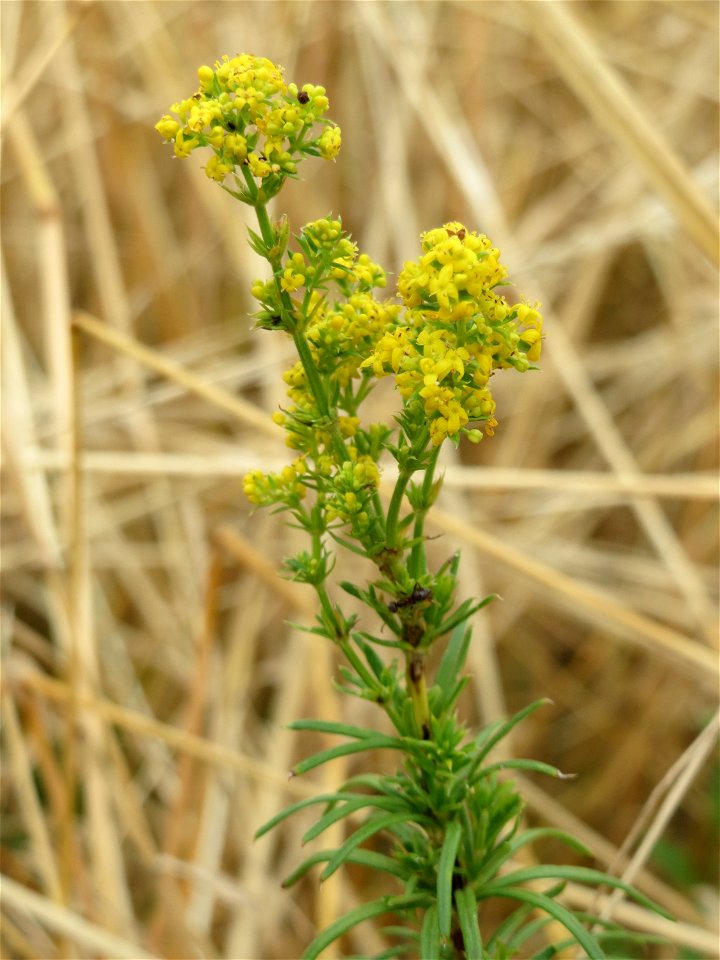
(328, 255)
(456, 268)
(441, 343)
(340, 330)
(455, 331)
(339, 336)
(353, 485)
(246, 113)
(265, 489)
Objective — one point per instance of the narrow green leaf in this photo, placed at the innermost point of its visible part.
(368, 910)
(381, 608)
(512, 923)
(537, 765)
(508, 849)
(368, 829)
(392, 953)
(505, 728)
(378, 742)
(453, 659)
(446, 867)
(373, 781)
(560, 913)
(364, 858)
(379, 641)
(541, 833)
(463, 613)
(430, 935)
(490, 735)
(579, 875)
(404, 932)
(626, 936)
(530, 929)
(486, 734)
(330, 726)
(352, 806)
(374, 661)
(448, 702)
(467, 910)
(294, 808)
(352, 589)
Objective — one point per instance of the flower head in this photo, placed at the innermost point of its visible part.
(246, 113)
(454, 332)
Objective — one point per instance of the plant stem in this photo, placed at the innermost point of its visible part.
(311, 373)
(393, 514)
(415, 661)
(417, 564)
(406, 472)
(265, 226)
(417, 688)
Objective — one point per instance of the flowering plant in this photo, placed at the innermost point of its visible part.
(454, 826)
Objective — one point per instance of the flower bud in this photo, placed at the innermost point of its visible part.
(167, 127)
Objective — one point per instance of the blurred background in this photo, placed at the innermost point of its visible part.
(152, 653)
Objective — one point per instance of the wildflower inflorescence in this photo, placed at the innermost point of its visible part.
(252, 121)
(454, 331)
(448, 330)
(441, 339)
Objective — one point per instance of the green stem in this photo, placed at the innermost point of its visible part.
(313, 377)
(417, 688)
(339, 634)
(341, 638)
(393, 514)
(266, 229)
(417, 564)
(311, 373)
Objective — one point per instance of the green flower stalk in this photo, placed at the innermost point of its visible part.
(453, 826)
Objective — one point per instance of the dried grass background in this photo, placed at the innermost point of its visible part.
(150, 664)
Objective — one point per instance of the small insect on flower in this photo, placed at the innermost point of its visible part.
(303, 97)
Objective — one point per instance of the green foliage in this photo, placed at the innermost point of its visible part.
(455, 831)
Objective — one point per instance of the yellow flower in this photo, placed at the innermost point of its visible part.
(205, 75)
(329, 143)
(367, 273)
(235, 145)
(167, 127)
(314, 99)
(348, 425)
(532, 340)
(184, 146)
(264, 489)
(215, 169)
(295, 273)
(258, 167)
